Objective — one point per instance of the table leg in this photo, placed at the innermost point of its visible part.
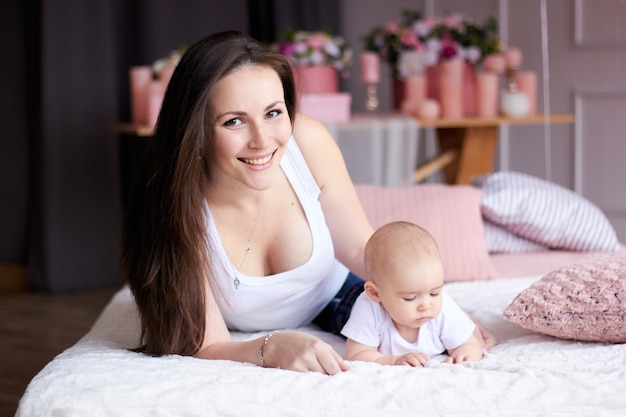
(476, 149)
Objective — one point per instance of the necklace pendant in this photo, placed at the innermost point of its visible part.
(236, 282)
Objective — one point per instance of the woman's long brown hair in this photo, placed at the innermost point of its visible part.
(166, 251)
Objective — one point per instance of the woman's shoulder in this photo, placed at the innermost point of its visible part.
(305, 127)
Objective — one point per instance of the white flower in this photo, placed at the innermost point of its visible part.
(412, 62)
(471, 54)
(421, 28)
(331, 49)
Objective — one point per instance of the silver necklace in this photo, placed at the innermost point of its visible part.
(236, 281)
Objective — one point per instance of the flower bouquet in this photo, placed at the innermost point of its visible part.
(318, 48)
(429, 47)
(415, 43)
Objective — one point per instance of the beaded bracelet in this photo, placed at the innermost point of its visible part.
(262, 349)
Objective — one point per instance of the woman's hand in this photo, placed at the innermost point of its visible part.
(302, 352)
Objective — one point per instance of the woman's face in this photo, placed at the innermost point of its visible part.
(251, 127)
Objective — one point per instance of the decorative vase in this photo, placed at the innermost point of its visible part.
(514, 104)
(451, 89)
(526, 82)
(316, 80)
(140, 78)
(397, 93)
(468, 85)
(414, 93)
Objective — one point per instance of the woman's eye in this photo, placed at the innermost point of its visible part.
(233, 122)
(273, 113)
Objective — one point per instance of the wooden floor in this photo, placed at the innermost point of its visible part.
(34, 328)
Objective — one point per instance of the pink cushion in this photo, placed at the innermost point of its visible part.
(450, 213)
(585, 300)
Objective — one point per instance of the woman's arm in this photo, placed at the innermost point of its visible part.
(349, 227)
(296, 351)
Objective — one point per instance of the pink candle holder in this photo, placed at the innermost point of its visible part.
(370, 75)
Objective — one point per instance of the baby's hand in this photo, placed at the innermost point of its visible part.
(466, 352)
(412, 359)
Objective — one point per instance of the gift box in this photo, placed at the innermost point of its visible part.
(331, 107)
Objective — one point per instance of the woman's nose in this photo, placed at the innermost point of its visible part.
(258, 136)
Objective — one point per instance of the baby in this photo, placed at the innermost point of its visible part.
(404, 317)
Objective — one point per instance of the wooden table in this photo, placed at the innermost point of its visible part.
(467, 146)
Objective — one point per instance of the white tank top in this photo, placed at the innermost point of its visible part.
(291, 298)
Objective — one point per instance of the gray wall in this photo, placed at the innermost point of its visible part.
(66, 228)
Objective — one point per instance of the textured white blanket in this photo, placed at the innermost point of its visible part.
(526, 374)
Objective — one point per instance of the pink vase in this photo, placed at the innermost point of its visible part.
(316, 80)
(397, 93)
(451, 89)
(414, 93)
(468, 85)
(156, 92)
(487, 94)
(140, 78)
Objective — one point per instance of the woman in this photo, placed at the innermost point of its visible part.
(244, 218)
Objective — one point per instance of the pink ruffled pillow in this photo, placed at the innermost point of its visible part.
(450, 213)
(585, 300)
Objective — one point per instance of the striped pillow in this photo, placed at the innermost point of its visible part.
(545, 213)
(500, 240)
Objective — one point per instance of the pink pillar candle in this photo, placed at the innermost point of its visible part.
(487, 94)
(451, 89)
(526, 82)
(370, 68)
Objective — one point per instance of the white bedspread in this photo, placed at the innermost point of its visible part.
(526, 374)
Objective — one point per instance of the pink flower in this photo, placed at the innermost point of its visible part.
(409, 38)
(316, 41)
(286, 48)
(449, 49)
(453, 20)
(392, 26)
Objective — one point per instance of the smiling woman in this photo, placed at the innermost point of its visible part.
(245, 218)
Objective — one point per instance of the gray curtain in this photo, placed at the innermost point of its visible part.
(75, 83)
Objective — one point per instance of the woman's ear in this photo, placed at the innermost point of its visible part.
(372, 291)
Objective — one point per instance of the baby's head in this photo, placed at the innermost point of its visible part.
(404, 272)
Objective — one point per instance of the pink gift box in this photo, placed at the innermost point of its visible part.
(332, 107)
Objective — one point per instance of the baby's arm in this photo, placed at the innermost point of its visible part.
(470, 350)
(356, 351)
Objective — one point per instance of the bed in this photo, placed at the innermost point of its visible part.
(552, 359)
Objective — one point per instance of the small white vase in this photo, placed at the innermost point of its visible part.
(514, 104)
